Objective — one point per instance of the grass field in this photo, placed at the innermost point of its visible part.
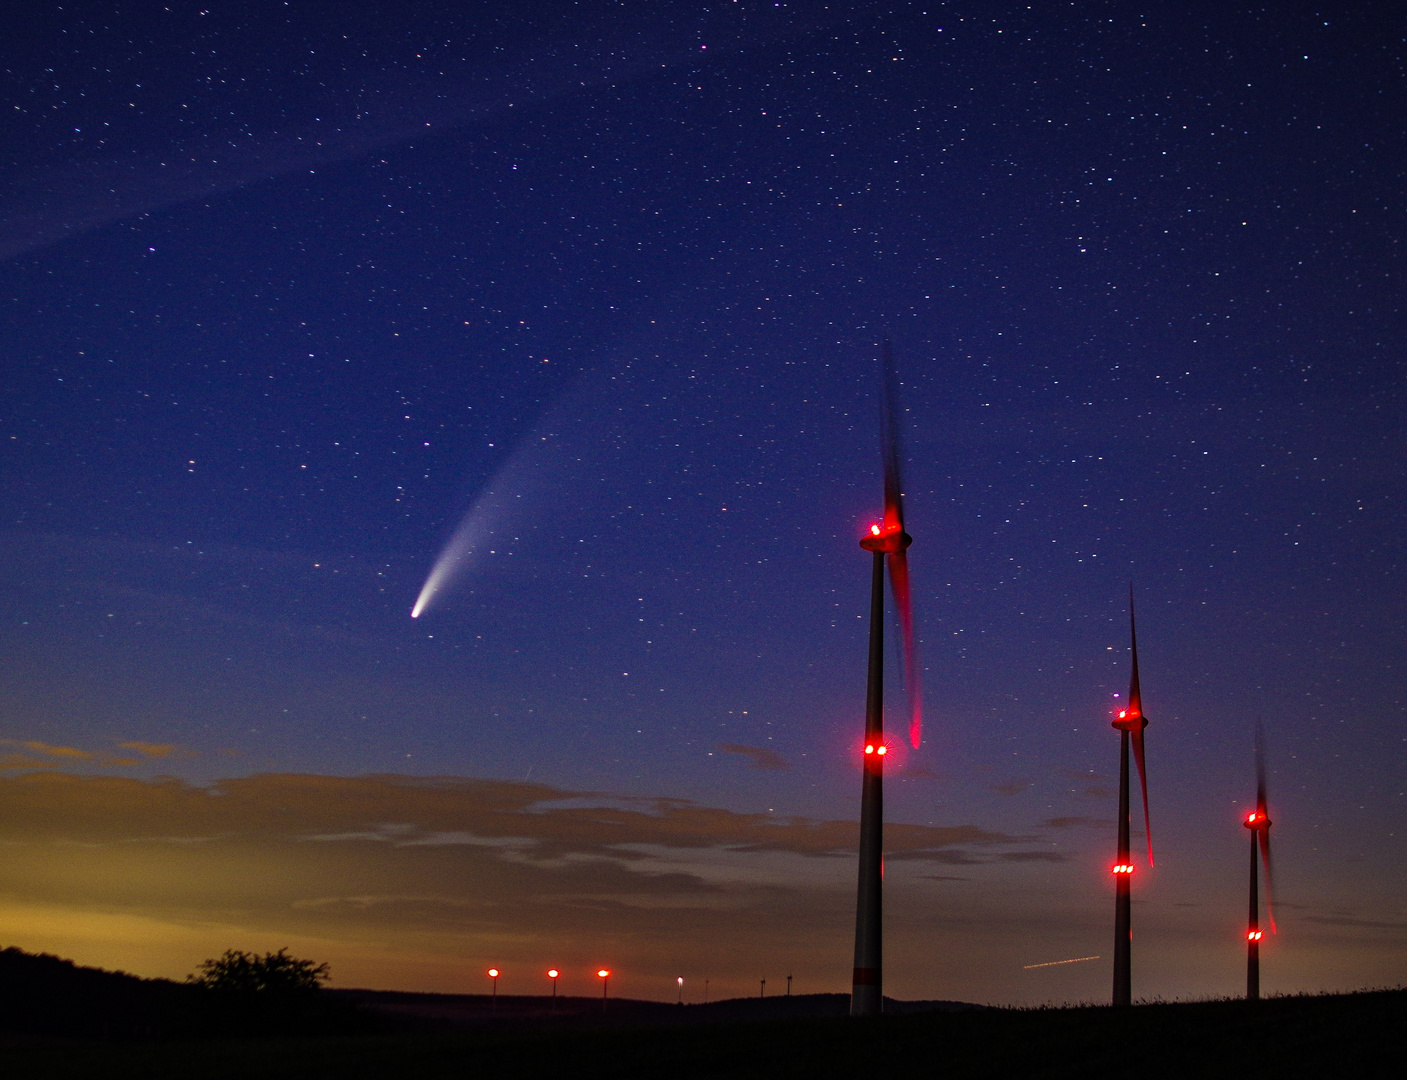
(1356, 1035)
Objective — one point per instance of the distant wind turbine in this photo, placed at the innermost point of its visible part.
(1258, 821)
(1130, 723)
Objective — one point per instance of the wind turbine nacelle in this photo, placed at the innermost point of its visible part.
(890, 541)
(1126, 722)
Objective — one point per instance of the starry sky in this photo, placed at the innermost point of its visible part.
(294, 293)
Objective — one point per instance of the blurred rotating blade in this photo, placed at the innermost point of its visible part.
(1135, 709)
(1263, 833)
(889, 438)
(903, 604)
(1269, 878)
(1143, 782)
(894, 522)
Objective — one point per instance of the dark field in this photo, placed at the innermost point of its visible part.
(1356, 1035)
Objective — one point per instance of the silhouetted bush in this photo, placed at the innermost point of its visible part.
(277, 974)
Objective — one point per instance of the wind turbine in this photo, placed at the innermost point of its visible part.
(888, 543)
(1130, 723)
(1258, 821)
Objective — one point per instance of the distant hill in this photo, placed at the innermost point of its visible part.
(469, 1011)
(453, 1037)
(46, 995)
(58, 1019)
(43, 995)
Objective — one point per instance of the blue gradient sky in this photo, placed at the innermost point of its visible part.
(290, 288)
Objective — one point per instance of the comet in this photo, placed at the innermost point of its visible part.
(463, 542)
(486, 527)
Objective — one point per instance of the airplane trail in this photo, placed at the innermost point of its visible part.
(1057, 963)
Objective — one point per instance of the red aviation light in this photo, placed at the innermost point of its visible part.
(1129, 719)
(869, 748)
(603, 973)
(552, 973)
(889, 538)
(882, 750)
(1123, 868)
(1253, 935)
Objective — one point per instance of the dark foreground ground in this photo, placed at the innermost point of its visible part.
(1355, 1035)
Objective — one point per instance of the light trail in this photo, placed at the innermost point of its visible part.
(1057, 963)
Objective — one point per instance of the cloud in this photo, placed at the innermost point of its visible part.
(410, 881)
(25, 762)
(1077, 822)
(1085, 776)
(158, 750)
(760, 757)
(58, 751)
(422, 813)
(1351, 922)
(1011, 787)
(58, 754)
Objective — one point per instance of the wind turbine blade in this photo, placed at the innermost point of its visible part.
(1263, 809)
(1269, 877)
(1137, 723)
(889, 437)
(1135, 706)
(903, 604)
(1260, 767)
(894, 524)
(1143, 781)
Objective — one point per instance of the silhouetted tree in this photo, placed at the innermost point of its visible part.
(273, 974)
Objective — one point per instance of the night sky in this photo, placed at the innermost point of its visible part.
(289, 291)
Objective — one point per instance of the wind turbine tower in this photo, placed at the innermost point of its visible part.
(888, 543)
(1130, 724)
(1258, 821)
